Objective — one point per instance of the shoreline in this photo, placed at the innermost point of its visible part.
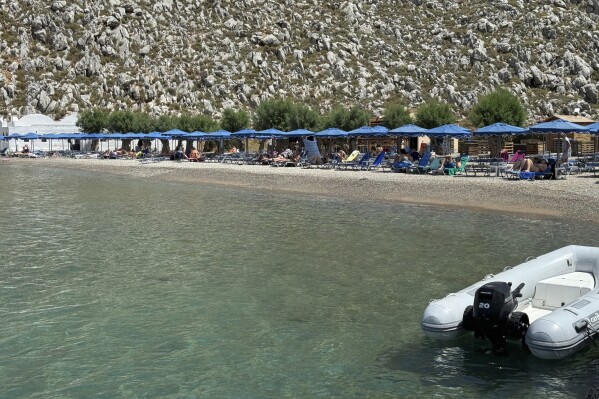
(575, 198)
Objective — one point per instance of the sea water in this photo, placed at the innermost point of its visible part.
(125, 287)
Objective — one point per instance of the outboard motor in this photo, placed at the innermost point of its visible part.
(492, 316)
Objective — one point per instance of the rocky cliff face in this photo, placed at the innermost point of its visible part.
(163, 56)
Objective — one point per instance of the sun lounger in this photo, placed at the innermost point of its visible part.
(459, 169)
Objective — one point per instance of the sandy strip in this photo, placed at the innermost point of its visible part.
(576, 198)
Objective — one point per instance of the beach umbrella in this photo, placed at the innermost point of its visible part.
(219, 136)
(246, 134)
(499, 130)
(593, 128)
(299, 133)
(558, 126)
(369, 131)
(332, 132)
(272, 132)
(450, 130)
(30, 136)
(409, 131)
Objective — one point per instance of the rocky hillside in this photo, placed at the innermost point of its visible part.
(59, 56)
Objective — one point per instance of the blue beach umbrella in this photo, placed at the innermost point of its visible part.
(332, 132)
(450, 130)
(558, 126)
(500, 129)
(220, 136)
(369, 131)
(299, 133)
(409, 131)
(593, 128)
(247, 134)
(272, 132)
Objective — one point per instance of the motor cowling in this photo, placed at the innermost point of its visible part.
(492, 315)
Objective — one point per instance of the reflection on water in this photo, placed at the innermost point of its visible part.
(113, 287)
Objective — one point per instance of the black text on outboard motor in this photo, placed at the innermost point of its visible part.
(492, 316)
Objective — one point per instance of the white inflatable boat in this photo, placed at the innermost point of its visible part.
(550, 303)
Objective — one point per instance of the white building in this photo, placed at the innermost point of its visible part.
(40, 124)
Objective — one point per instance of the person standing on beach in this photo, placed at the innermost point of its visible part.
(566, 150)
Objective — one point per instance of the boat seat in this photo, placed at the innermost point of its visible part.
(558, 291)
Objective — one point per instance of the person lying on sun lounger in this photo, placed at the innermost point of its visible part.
(530, 165)
(295, 156)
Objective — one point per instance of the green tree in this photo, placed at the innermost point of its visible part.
(120, 122)
(141, 122)
(273, 114)
(396, 115)
(234, 121)
(498, 106)
(434, 113)
(345, 119)
(164, 123)
(303, 117)
(93, 120)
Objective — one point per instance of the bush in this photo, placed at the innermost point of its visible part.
(396, 115)
(498, 106)
(347, 120)
(234, 121)
(273, 114)
(93, 120)
(434, 113)
(303, 117)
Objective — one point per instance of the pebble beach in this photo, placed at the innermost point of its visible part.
(575, 198)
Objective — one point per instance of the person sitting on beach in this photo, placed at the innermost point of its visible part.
(341, 155)
(180, 154)
(25, 149)
(448, 163)
(194, 155)
(403, 156)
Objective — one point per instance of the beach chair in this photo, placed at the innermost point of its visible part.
(362, 162)
(350, 158)
(433, 166)
(501, 167)
(379, 162)
(414, 168)
(524, 175)
(458, 170)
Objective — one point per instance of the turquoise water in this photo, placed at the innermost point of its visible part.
(115, 287)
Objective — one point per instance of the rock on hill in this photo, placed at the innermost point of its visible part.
(162, 56)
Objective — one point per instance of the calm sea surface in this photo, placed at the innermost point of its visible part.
(115, 287)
